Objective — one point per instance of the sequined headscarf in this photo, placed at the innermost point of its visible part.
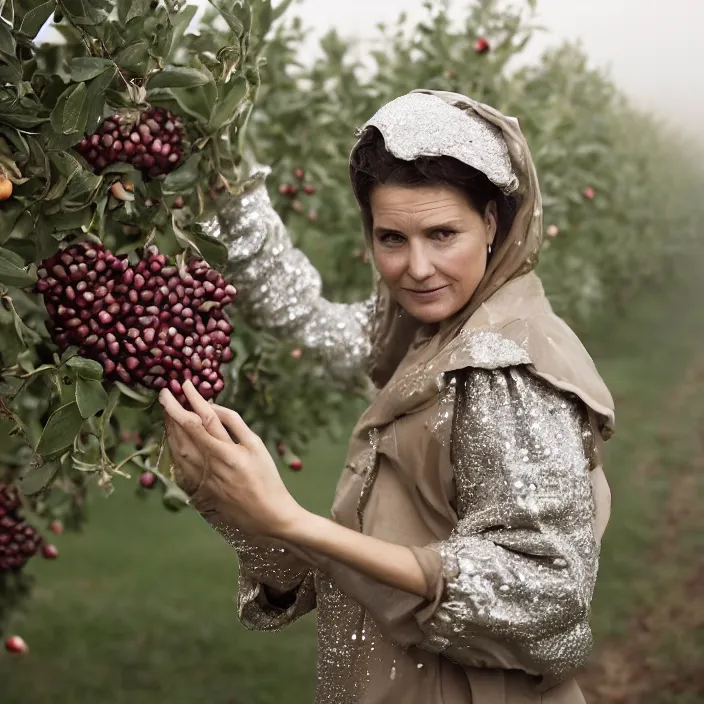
(509, 299)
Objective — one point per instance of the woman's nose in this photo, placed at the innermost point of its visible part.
(420, 265)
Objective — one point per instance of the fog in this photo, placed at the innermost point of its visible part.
(653, 48)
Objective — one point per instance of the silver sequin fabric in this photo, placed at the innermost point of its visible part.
(419, 124)
(520, 566)
(279, 290)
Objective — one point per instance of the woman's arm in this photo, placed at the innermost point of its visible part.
(279, 290)
(391, 564)
(516, 575)
(237, 489)
(275, 584)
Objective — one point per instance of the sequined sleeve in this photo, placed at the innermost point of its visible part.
(519, 568)
(279, 290)
(267, 564)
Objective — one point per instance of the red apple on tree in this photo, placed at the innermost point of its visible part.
(50, 552)
(481, 45)
(16, 645)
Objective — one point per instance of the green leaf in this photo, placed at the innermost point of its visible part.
(144, 399)
(91, 397)
(74, 117)
(81, 191)
(21, 119)
(87, 12)
(36, 479)
(180, 24)
(9, 215)
(184, 177)
(227, 109)
(86, 368)
(212, 249)
(265, 18)
(97, 88)
(237, 14)
(35, 19)
(66, 164)
(57, 119)
(7, 41)
(183, 238)
(178, 77)
(113, 399)
(10, 70)
(129, 10)
(60, 431)
(69, 352)
(134, 58)
(11, 274)
(280, 9)
(83, 68)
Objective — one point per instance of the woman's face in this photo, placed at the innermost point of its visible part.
(430, 247)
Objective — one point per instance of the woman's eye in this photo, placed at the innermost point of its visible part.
(444, 235)
(391, 238)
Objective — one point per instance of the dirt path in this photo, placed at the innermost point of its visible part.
(661, 658)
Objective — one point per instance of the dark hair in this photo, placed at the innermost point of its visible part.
(372, 165)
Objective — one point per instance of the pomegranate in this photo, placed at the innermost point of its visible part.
(299, 173)
(589, 193)
(56, 527)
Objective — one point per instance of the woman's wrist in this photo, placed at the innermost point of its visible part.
(295, 526)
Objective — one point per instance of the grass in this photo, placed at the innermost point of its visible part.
(140, 608)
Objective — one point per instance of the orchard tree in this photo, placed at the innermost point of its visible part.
(114, 144)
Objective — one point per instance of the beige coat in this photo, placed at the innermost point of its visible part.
(481, 452)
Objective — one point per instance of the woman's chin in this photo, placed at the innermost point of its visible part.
(430, 312)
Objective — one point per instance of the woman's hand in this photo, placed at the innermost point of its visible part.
(237, 478)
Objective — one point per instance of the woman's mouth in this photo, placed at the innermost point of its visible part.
(428, 293)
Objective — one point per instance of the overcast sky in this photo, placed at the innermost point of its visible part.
(655, 48)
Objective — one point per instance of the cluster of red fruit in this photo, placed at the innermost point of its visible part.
(152, 143)
(149, 324)
(291, 190)
(18, 540)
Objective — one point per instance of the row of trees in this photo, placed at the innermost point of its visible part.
(619, 193)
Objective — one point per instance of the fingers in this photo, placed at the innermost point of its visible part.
(239, 429)
(174, 409)
(211, 422)
(191, 423)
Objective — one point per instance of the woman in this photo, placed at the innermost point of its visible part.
(460, 560)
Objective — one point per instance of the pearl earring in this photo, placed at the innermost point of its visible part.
(489, 249)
